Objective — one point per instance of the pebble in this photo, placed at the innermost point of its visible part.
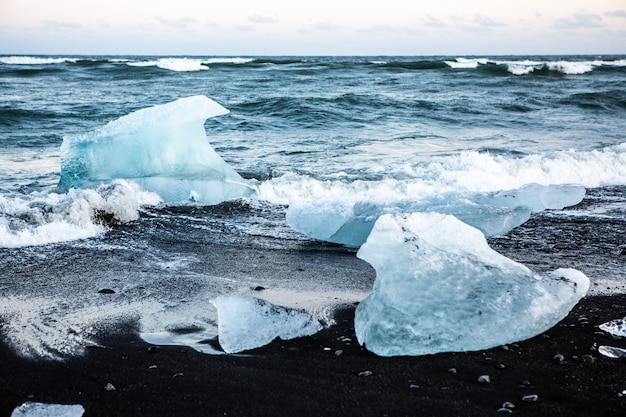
(452, 371)
(508, 405)
(338, 352)
(365, 373)
(176, 375)
(106, 291)
(109, 387)
(484, 379)
(152, 367)
(559, 357)
(530, 398)
(154, 349)
(501, 366)
(505, 410)
(588, 359)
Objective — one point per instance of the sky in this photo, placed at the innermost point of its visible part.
(318, 27)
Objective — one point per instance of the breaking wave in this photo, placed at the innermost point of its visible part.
(39, 219)
(467, 171)
(516, 65)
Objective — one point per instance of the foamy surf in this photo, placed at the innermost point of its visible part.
(44, 218)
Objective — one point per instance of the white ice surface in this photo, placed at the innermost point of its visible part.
(33, 409)
(439, 287)
(248, 322)
(493, 213)
(615, 327)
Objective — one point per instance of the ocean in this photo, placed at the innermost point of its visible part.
(300, 130)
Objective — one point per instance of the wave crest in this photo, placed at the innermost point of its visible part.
(79, 214)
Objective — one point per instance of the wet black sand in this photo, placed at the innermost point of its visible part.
(308, 377)
(329, 374)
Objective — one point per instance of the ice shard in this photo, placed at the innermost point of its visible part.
(440, 287)
(246, 323)
(494, 213)
(33, 409)
(162, 148)
(615, 327)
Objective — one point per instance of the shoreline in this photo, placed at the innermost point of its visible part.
(327, 375)
(308, 376)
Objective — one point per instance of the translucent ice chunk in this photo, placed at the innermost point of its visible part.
(439, 287)
(247, 322)
(494, 213)
(33, 409)
(612, 352)
(163, 148)
(615, 327)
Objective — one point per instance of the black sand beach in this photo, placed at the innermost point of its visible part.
(325, 375)
(329, 374)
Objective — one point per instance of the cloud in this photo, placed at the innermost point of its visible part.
(177, 23)
(486, 22)
(262, 19)
(579, 21)
(327, 26)
(433, 23)
(478, 23)
(617, 13)
(244, 28)
(54, 25)
(379, 29)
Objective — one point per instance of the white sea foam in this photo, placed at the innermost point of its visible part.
(172, 64)
(467, 171)
(39, 219)
(526, 66)
(466, 62)
(34, 60)
(233, 60)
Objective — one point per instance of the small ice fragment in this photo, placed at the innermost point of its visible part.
(33, 409)
(247, 322)
(440, 287)
(612, 352)
(615, 327)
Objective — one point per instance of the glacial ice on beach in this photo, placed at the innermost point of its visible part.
(247, 322)
(34, 409)
(162, 148)
(494, 213)
(440, 287)
(615, 327)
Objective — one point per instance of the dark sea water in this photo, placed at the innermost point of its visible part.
(300, 128)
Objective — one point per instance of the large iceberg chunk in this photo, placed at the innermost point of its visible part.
(247, 322)
(494, 213)
(440, 287)
(163, 148)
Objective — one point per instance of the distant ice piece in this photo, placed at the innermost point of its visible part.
(494, 213)
(246, 323)
(33, 409)
(440, 287)
(612, 352)
(615, 327)
(162, 148)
